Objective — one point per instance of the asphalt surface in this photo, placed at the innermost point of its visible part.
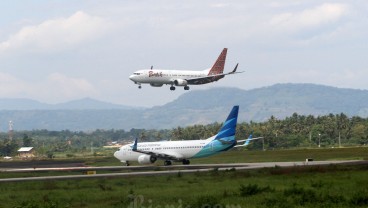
(164, 170)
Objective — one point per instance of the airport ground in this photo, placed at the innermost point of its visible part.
(299, 186)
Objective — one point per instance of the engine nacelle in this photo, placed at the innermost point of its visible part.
(180, 82)
(156, 85)
(146, 159)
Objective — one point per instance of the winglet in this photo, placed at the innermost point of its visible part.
(248, 140)
(134, 147)
(236, 67)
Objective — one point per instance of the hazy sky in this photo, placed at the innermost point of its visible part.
(56, 51)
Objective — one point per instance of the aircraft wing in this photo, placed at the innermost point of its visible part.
(163, 156)
(210, 78)
(241, 145)
(248, 139)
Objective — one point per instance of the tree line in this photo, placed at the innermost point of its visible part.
(296, 131)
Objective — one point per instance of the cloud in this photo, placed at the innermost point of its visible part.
(55, 88)
(10, 85)
(56, 34)
(310, 18)
(70, 84)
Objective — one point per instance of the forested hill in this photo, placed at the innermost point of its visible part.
(199, 107)
(279, 100)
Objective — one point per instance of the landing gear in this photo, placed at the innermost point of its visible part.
(167, 162)
(186, 87)
(186, 162)
(139, 87)
(127, 163)
(172, 88)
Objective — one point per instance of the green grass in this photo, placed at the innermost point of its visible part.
(328, 186)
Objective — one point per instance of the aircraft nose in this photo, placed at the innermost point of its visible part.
(132, 77)
(116, 154)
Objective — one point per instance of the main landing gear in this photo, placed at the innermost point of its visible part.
(186, 162)
(167, 163)
(172, 88)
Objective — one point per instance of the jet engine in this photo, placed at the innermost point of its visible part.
(180, 82)
(146, 159)
(156, 85)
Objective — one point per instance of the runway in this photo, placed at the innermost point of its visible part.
(164, 170)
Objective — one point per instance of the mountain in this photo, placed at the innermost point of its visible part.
(280, 100)
(89, 104)
(82, 104)
(21, 104)
(193, 107)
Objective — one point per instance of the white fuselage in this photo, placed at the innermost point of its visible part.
(179, 149)
(159, 77)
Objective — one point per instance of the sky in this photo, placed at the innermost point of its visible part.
(55, 51)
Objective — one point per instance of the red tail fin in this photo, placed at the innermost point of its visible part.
(218, 67)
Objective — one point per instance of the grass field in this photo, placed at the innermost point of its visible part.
(320, 186)
(328, 186)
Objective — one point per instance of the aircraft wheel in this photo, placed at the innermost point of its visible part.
(186, 162)
(127, 163)
(172, 88)
(139, 87)
(186, 88)
(167, 163)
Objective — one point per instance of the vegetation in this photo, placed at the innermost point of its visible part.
(309, 186)
(297, 131)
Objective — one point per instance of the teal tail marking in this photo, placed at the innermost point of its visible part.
(248, 140)
(229, 127)
(225, 138)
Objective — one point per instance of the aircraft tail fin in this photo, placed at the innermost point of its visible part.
(248, 140)
(135, 145)
(228, 129)
(218, 67)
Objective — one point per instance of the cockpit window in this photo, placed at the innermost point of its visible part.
(137, 73)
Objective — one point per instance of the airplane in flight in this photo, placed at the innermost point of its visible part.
(182, 151)
(159, 77)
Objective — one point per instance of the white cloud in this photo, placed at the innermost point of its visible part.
(10, 85)
(55, 88)
(56, 34)
(60, 86)
(321, 15)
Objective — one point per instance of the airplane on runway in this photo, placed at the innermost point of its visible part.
(246, 141)
(159, 77)
(182, 151)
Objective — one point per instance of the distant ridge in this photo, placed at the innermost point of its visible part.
(193, 107)
(81, 104)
